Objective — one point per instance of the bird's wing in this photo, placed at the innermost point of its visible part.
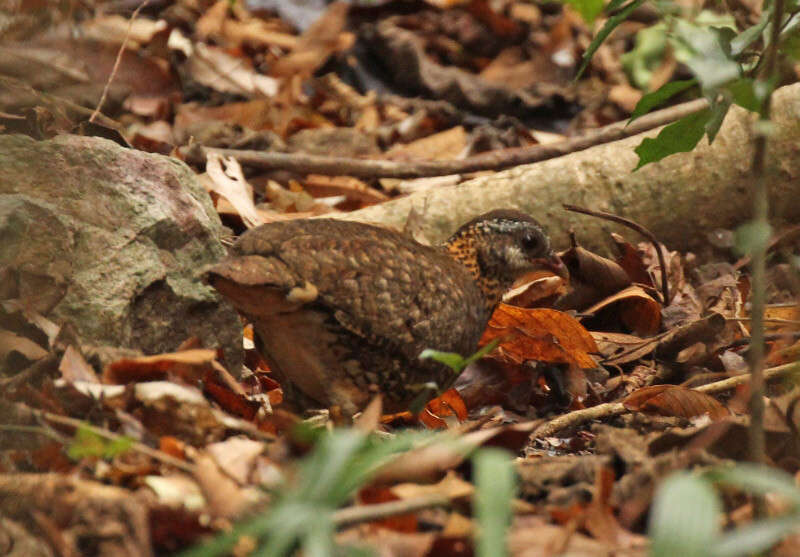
(387, 290)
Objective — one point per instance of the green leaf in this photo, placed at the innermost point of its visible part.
(751, 34)
(684, 517)
(660, 96)
(495, 485)
(759, 480)
(790, 38)
(744, 94)
(646, 55)
(588, 9)
(755, 538)
(718, 112)
(610, 24)
(712, 62)
(454, 361)
(87, 443)
(678, 137)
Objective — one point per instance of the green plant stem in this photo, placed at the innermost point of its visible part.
(760, 219)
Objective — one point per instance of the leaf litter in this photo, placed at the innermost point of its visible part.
(620, 387)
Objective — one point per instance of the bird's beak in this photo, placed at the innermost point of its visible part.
(554, 264)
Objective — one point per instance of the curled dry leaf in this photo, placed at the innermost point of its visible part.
(536, 291)
(631, 261)
(636, 309)
(231, 184)
(131, 370)
(449, 403)
(545, 335)
(592, 278)
(674, 400)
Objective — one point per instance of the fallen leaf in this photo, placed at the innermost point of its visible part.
(232, 184)
(9, 342)
(372, 495)
(449, 403)
(148, 368)
(236, 456)
(74, 367)
(674, 400)
(544, 335)
(637, 310)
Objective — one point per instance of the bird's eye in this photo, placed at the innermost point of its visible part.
(530, 243)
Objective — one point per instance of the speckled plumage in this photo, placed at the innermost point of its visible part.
(343, 309)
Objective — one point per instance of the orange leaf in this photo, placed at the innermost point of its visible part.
(149, 368)
(449, 403)
(674, 400)
(400, 523)
(545, 335)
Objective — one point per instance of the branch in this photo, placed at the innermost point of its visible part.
(495, 160)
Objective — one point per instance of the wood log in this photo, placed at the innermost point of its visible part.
(680, 199)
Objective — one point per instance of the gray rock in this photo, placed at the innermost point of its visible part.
(111, 240)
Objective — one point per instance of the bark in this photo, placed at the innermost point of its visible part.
(679, 199)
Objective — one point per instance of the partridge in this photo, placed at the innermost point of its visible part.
(341, 310)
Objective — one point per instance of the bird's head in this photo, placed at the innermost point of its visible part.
(501, 246)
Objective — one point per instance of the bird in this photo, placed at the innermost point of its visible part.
(341, 310)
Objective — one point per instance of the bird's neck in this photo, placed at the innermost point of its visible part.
(463, 247)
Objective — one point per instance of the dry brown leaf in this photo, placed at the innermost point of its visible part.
(232, 184)
(9, 342)
(225, 498)
(353, 188)
(74, 367)
(152, 367)
(322, 39)
(448, 144)
(592, 278)
(619, 348)
(223, 72)
(536, 291)
(236, 456)
(674, 400)
(372, 495)
(451, 486)
(545, 335)
(217, 23)
(369, 420)
(637, 310)
(116, 28)
(631, 261)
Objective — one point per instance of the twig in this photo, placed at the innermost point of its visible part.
(114, 69)
(638, 228)
(363, 513)
(10, 82)
(736, 380)
(137, 446)
(31, 374)
(495, 160)
(757, 440)
(611, 409)
(576, 417)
